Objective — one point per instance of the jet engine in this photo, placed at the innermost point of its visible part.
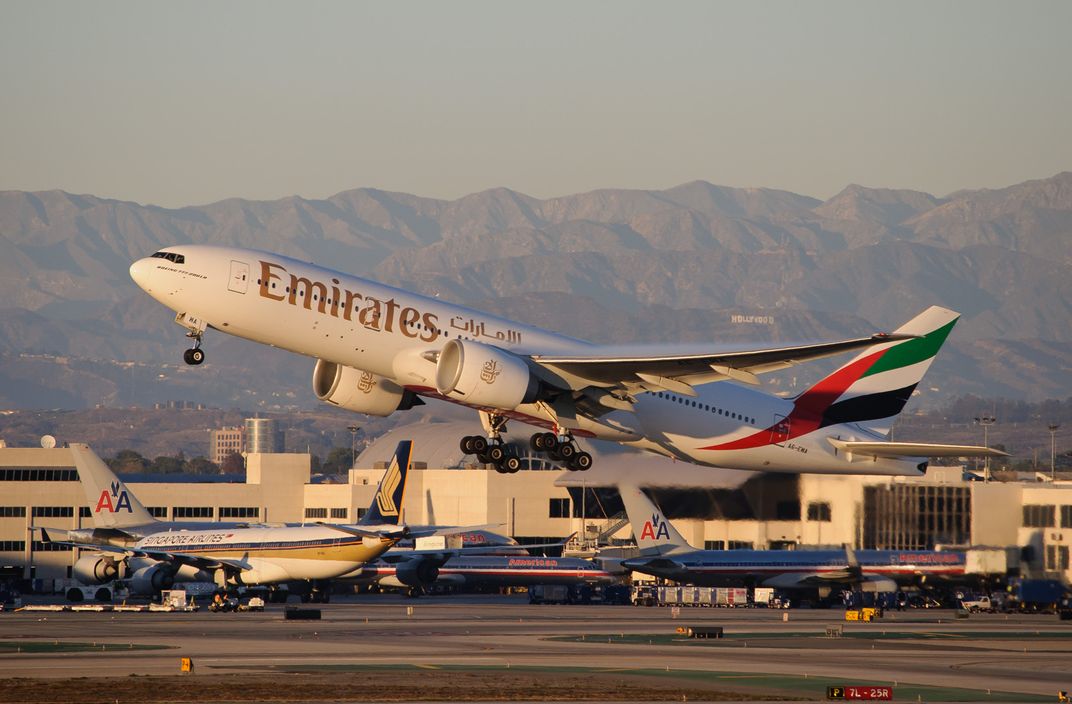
(360, 391)
(96, 569)
(484, 376)
(417, 573)
(151, 579)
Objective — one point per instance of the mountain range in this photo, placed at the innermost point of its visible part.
(697, 262)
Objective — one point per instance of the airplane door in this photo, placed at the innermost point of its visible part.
(239, 281)
(779, 430)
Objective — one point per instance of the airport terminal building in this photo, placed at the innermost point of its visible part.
(712, 508)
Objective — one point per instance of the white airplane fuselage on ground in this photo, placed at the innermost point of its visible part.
(397, 336)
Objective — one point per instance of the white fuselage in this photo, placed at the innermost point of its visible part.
(376, 328)
(269, 554)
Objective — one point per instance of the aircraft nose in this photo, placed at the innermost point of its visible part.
(139, 271)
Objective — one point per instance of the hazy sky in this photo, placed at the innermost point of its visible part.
(185, 103)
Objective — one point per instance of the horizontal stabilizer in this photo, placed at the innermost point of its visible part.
(895, 450)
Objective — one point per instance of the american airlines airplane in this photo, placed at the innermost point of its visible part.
(379, 349)
(665, 553)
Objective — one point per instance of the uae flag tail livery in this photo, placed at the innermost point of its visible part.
(873, 388)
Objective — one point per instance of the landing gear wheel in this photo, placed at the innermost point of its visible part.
(496, 454)
(193, 356)
(567, 450)
(581, 462)
(511, 465)
(549, 442)
(478, 444)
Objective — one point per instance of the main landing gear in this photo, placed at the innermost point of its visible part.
(561, 448)
(492, 451)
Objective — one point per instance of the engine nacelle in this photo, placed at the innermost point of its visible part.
(360, 391)
(417, 573)
(484, 376)
(93, 569)
(151, 579)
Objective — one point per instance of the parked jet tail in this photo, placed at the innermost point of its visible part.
(386, 507)
(655, 535)
(872, 389)
(111, 504)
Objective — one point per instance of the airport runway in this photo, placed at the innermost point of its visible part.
(1026, 655)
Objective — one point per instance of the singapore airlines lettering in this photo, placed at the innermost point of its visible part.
(373, 313)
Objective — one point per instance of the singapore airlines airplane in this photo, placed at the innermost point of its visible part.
(378, 349)
(126, 542)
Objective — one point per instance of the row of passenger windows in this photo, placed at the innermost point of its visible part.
(705, 407)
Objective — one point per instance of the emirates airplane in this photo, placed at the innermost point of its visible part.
(380, 349)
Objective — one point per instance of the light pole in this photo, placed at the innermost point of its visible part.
(986, 422)
(353, 444)
(1053, 449)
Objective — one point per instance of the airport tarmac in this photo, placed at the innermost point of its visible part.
(929, 655)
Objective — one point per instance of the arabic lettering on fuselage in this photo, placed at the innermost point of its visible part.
(375, 314)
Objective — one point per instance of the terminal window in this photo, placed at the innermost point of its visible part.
(84, 512)
(714, 545)
(42, 546)
(12, 512)
(819, 511)
(338, 513)
(12, 545)
(915, 517)
(36, 474)
(559, 508)
(157, 511)
(1039, 516)
(191, 511)
(239, 512)
(741, 545)
(316, 513)
(1056, 558)
(1066, 516)
(53, 511)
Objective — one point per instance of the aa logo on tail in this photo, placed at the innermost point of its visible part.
(385, 499)
(122, 501)
(655, 528)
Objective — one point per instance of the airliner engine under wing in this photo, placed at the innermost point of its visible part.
(379, 349)
(128, 543)
(665, 553)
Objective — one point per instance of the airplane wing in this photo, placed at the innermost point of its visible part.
(441, 555)
(649, 369)
(896, 450)
(178, 558)
(404, 531)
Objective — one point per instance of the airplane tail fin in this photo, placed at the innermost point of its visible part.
(111, 504)
(386, 506)
(655, 535)
(873, 388)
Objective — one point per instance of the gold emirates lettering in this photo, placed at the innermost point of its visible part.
(371, 312)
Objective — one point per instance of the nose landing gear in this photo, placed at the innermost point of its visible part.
(195, 355)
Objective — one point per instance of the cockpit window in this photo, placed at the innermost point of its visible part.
(171, 256)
